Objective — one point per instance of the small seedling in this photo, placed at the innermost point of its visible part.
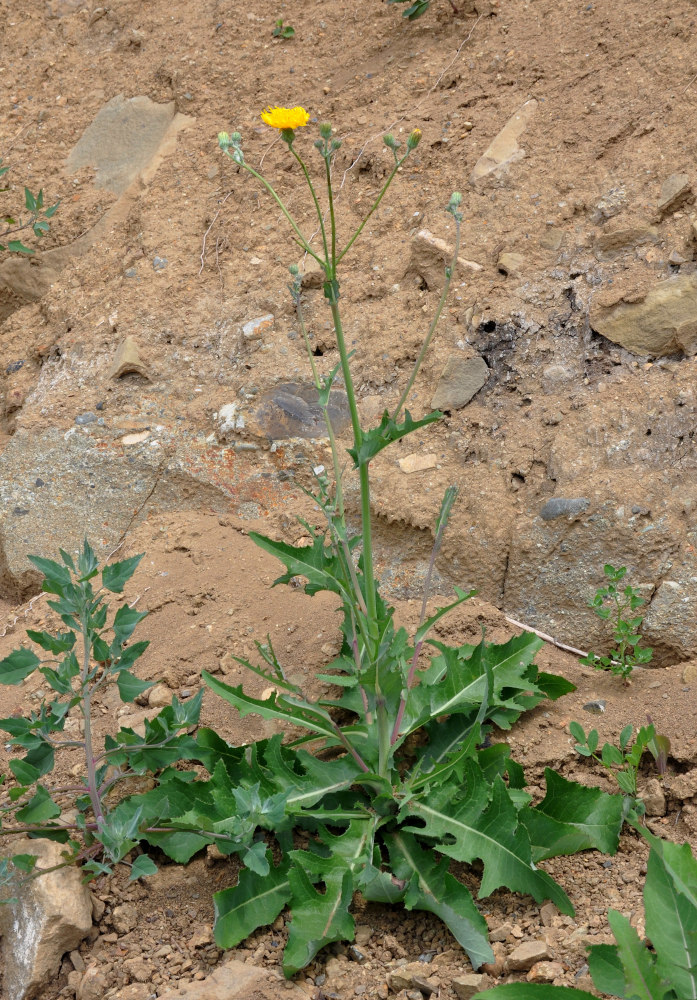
(612, 604)
(36, 221)
(623, 761)
(283, 30)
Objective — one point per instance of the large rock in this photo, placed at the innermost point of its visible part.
(462, 379)
(56, 489)
(53, 913)
(237, 981)
(504, 150)
(662, 321)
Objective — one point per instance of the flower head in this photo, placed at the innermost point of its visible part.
(285, 118)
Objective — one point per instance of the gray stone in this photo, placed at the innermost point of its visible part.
(612, 242)
(292, 410)
(669, 622)
(122, 140)
(504, 150)
(563, 507)
(675, 190)
(653, 797)
(85, 418)
(663, 321)
(124, 918)
(462, 379)
(53, 913)
(91, 488)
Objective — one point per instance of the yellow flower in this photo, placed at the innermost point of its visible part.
(283, 118)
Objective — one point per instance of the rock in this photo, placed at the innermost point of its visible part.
(545, 972)
(511, 263)
(85, 418)
(548, 911)
(254, 328)
(609, 205)
(52, 915)
(528, 954)
(689, 673)
(502, 932)
(124, 140)
(504, 150)
(684, 786)
(236, 981)
(159, 696)
(124, 918)
(201, 937)
(466, 986)
(653, 798)
(551, 239)
(128, 440)
(292, 410)
(417, 463)
(669, 621)
(128, 360)
(563, 507)
(136, 991)
(611, 242)
(138, 969)
(675, 190)
(662, 321)
(462, 379)
(93, 984)
(425, 239)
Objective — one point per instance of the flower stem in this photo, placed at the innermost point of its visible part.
(314, 198)
(432, 328)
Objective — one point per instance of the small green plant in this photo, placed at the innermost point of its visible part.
(623, 761)
(101, 826)
(37, 220)
(417, 8)
(398, 782)
(632, 969)
(612, 604)
(282, 30)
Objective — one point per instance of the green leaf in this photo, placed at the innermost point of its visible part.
(142, 867)
(484, 825)
(572, 818)
(432, 888)
(62, 642)
(39, 808)
(671, 925)
(125, 621)
(389, 430)
(29, 200)
(606, 969)
(254, 902)
(276, 707)
(462, 596)
(24, 862)
(55, 573)
(130, 687)
(317, 562)
(533, 991)
(180, 846)
(678, 860)
(318, 918)
(18, 665)
(26, 774)
(642, 980)
(116, 575)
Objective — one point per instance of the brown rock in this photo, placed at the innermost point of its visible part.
(124, 918)
(653, 798)
(684, 786)
(93, 985)
(504, 150)
(689, 673)
(545, 972)
(528, 954)
(138, 969)
(511, 263)
(466, 986)
(462, 379)
(52, 915)
(159, 696)
(236, 981)
(136, 991)
(661, 321)
(675, 190)
(128, 360)
(417, 463)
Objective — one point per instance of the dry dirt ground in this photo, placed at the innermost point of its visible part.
(625, 78)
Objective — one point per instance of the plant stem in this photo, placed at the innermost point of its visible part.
(377, 201)
(314, 198)
(449, 271)
(85, 707)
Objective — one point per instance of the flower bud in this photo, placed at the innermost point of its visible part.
(319, 144)
(294, 270)
(224, 140)
(390, 141)
(414, 139)
(335, 144)
(455, 199)
(325, 130)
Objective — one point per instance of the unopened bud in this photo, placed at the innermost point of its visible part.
(325, 130)
(224, 140)
(335, 144)
(319, 144)
(390, 141)
(294, 270)
(414, 139)
(455, 199)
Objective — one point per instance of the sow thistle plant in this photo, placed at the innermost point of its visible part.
(393, 778)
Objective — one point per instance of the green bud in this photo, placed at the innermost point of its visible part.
(335, 144)
(325, 130)
(236, 138)
(288, 134)
(390, 141)
(224, 140)
(319, 144)
(414, 139)
(455, 199)
(294, 270)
